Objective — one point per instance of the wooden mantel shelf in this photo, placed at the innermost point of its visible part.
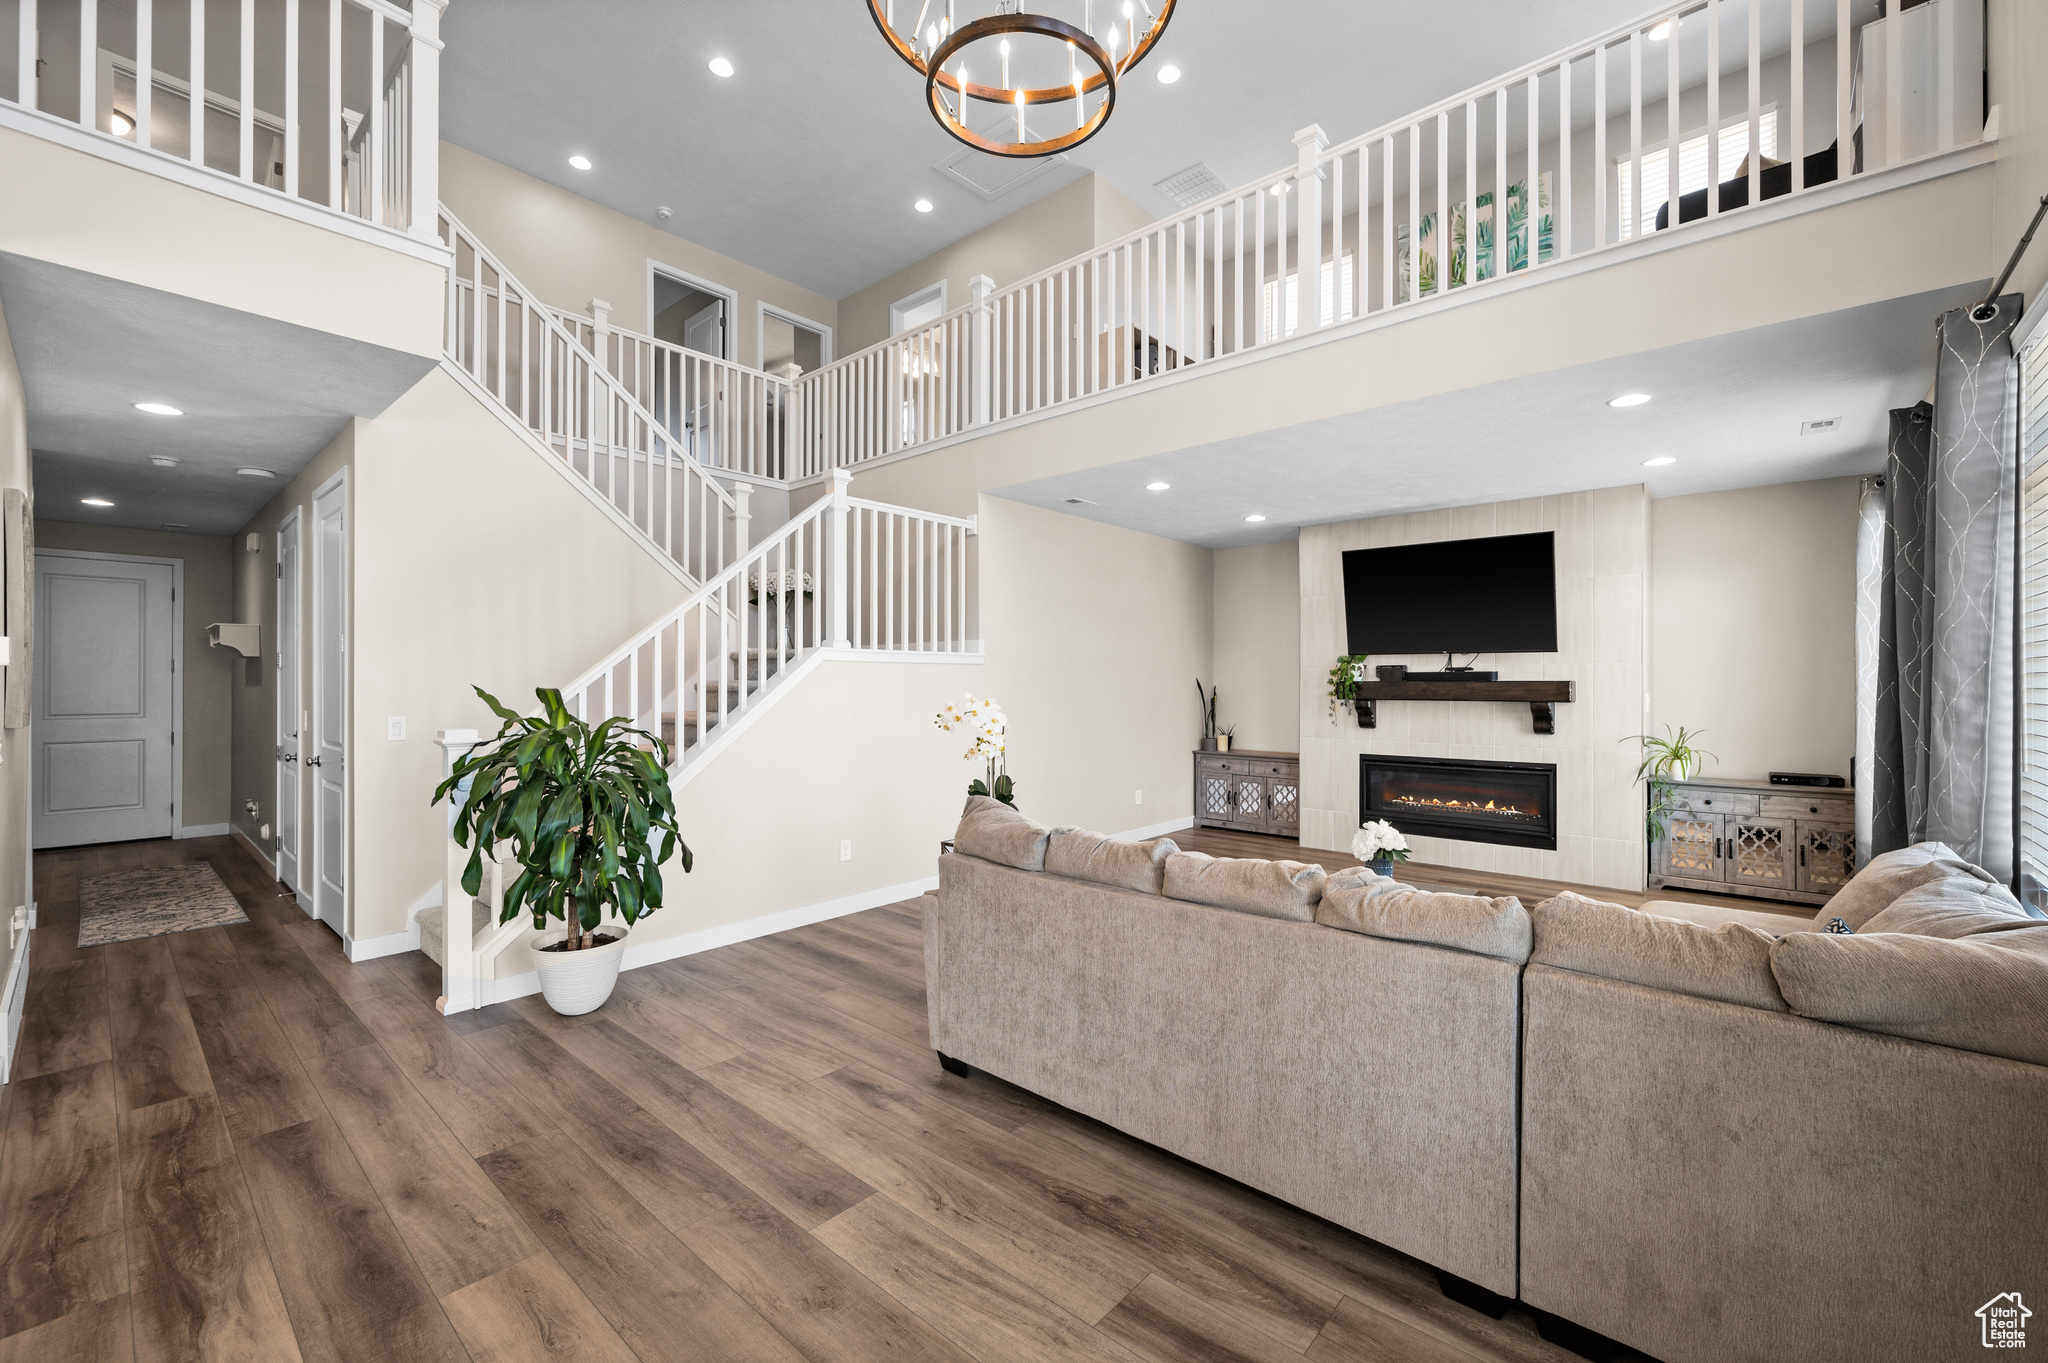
(1542, 697)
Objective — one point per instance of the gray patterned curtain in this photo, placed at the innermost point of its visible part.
(1870, 521)
(1942, 746)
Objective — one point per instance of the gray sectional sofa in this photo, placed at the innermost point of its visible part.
(1697, 1138)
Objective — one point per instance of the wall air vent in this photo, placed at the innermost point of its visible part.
(1827, 425)
(1191, 186)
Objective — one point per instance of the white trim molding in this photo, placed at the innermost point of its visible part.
(205, 830)
(13, 1001)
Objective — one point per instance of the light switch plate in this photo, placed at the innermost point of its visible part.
(394, 727)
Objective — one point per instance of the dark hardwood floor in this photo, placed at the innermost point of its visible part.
(1225, 842)
(232, 1144)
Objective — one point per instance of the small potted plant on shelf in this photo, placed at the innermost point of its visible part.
(1344, 681)
(590, 819)
(1224, 737)
(1672, 758)
(1379, 845)
(991, 729)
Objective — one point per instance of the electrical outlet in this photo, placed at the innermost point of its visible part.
(394, 727)
(1137, 797)
(846, 849)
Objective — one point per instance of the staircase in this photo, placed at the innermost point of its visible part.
(843, 579)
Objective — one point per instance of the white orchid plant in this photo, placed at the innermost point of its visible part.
(990, 727)
(786, 583)
(1379, 841)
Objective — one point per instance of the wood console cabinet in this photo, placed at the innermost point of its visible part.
(1793, 843)
(1253, 792)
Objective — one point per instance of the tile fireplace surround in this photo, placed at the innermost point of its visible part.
(1603, 564)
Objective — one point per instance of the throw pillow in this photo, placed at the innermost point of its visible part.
(1104, 860)
(1953, 908)
(993, 831)
(1731, 963)
(1271, 889)
(1383, 907)
(1891, 875)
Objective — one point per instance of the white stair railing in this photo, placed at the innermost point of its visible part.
(352, 89)
(862, 578)
(514, 347)
(724, 415)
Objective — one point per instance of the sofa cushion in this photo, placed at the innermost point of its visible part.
(1271, 889)
(1716, 915)
(1097, 857)
(1731, 963)
(993, 831)
(1956, 907)
(1985, 993)
(1891, 875)
(1383, 907)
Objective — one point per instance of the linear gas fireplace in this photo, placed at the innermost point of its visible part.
(1504, 802)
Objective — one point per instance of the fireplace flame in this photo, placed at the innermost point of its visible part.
(1463, 806)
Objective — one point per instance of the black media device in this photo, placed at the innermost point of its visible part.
(1807, 778)
(1497, 594)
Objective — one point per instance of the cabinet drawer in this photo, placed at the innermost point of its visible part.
(1807, 807)
(1713, 802)
(1207, 763)
(1271, 768)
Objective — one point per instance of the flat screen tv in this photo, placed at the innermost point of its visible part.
(1491, 595)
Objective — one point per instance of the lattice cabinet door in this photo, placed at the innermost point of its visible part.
(1760, 853)
(1691, 849)
(1218, 801)
(1283, 805)
(1827, 857)
(1251, 803)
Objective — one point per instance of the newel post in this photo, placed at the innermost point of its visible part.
(835, 585)
(741, 517)
(458, 952)
(981, 292)
(600, 326)
(789, 374)
(1308, 218)
(424, 120)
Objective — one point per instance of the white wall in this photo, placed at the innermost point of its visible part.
(2016, 44)
(1753, 625)
(1258, 663)
(1603, 565)
(14, 743)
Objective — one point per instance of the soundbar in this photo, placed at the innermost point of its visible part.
(1807, 778)
(1396, 672)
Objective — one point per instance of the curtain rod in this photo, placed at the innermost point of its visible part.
(1988, 309)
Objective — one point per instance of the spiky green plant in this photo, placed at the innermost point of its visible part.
(1673, 757)
(580, 806)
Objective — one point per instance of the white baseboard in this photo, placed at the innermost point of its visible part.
(206, 830)
(249, 844)
(430, 900)
(13, 997)
(510, 987)
(1159, 830)
(370, 948)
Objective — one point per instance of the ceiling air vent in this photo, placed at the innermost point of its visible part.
(1077, 501)
(1191, 186)
(1827, 425)
(994, 176)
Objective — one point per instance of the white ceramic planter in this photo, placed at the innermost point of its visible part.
(576, 982)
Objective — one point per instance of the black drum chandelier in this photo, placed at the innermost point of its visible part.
(1109, 40)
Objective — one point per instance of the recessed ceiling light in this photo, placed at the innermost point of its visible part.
(1168, 74)
(1629, 400)
(163, 461)
(720, 67)
(256, 473)
(923, 205)
(94, 501)
(1255, 516)
(123, 125)
(1658, 33)
(158, 409)
(1157, 487)
(580, 162)
(176, 525)
(1281, 189)
(1659, 462)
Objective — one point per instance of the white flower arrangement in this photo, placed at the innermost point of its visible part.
(1379, 841)
(985, 720)
(788, 582)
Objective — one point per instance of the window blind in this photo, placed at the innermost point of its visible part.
(2033, 611)
(1288, 303)
(1692, 167)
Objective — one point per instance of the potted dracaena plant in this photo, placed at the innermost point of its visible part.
(590, 820)
(1673, 757)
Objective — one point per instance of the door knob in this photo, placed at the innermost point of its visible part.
(312, 761)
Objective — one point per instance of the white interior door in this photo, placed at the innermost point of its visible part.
(105, 699)
(705, 331)
(330, 704)
(290, 711)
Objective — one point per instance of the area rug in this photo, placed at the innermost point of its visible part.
(124, 905)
